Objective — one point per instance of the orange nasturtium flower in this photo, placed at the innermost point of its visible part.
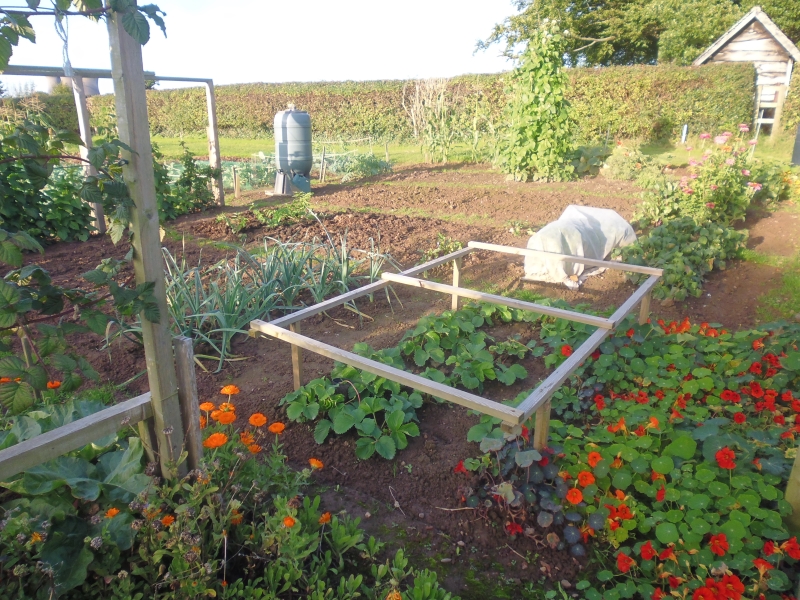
(247, 438)
(258, 420)
(585, 478)
(254, 448)
(325, 518)
(594, 458)
(315, 463)
(226, 418)
(207, 406)
(288, 522)
(574, 496)
(111, 513)
(229, 390)
(167, 520)
(277, 427)
(215, 440)
(53, 385)
(5, 379)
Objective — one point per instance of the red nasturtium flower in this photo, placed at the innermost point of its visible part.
(53, 385)
(574, 496)
(460, 468)
(624, 562)
(658, 595)
(739, 418)
(730, 587)
(647, 551)
(704, 593)
(566, 350)
(514, 528)
(258, 420)
(725, 458)
(769, 548)
(718, 544)
(599, 402)
(661, 494)
(758, 344)
(594, 458)
(762, 566)
(585, 478)
(792, 548)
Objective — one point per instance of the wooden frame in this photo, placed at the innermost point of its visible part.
(539, 400)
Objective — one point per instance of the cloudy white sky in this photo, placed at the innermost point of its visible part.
(236, 41)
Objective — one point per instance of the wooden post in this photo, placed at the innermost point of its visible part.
(322, 167)
(793, 495)
(85, 130)
(189, 400)
(237, 190)
(780, 98)
(542, 427)
(386, 148)
(214, 160)
(644, 309)
(297, 359)
(456, 280)
(134, 131)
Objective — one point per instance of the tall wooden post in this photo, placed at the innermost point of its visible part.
(214, 160)
(134, 130)
(189, 399)
(456, 281)
(793, 496)
(780, 98)
(85, 129)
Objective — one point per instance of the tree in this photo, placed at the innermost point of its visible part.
(622, 32)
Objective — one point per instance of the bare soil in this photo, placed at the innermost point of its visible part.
(414, 501)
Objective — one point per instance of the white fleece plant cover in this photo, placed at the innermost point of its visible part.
(579, 231)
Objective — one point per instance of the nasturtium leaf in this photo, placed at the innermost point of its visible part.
(683, 446)
(662, 464)
(489, 444)
(705, 475)
(622, 479)
(667, 533)
(700, 527)
(527, 458)
(741, 482)
(734, 529)
(718, 488)
(698, 501)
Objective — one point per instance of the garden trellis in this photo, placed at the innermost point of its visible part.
(538, 402)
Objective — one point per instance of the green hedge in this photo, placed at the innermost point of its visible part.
(643, 102)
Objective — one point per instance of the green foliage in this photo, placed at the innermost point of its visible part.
(353, 166)
(536, 138)
(590, 159)
(444, 245)
(686, 251)
(189, 192)
(640, 102)
(293, 212)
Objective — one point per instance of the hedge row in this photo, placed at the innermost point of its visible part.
(643, 102)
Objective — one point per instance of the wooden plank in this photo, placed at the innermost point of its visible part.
(631, 302)
(644, 309)
(189, 399)
(581, 260)
(456, 281)
(237, 189)
(541, 428)
(793, 495)
(297, 359)
(85, 130)
(134, 131)
(501, 300)
(365, 290)
(59, 72)
(50, 445)
(550, 385)
(776, 124)
(213, 143)
(489, 407)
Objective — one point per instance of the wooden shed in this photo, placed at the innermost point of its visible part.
(755, 38)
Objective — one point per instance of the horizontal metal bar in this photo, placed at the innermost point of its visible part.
(627, 306)
(489, 407)
(363, 291)
(550, 385)
(190, 79)
(502, 300)
(582, 260)
(50, 445)
(32, 71)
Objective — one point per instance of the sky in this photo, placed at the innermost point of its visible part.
(240, 41)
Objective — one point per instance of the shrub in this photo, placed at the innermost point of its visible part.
(352, 166)
(189, 192)
(686, 251)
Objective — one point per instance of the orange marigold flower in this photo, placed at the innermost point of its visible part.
(585, 478)
(207, 406)
(315, 463)
(394, 595)
(227, 407)
(215, 414)
(36, 537)
(594, 458)
(203, 422)
(258, 420)
(277, 427)
(288, 522)
(111, 513)
(254, 448)
(227, 418)
(325, 518)
(236, 517)
(5, 379)
(247, 438)
(215, 440)
(574, 496)
(53, 385)
(229, 390)
(167, 520)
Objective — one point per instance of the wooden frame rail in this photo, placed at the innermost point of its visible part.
(538, 402)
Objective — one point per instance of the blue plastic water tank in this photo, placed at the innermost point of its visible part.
(293, 152)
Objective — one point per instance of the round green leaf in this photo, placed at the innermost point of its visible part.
(662, 464)
(622, 479)
(667, 533)
(700, 527)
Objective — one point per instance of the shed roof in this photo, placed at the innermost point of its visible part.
(755, 14)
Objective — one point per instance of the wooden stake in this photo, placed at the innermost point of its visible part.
(322, 167)
(237, 191)
(793, 496)
(297, 359)
(542, 428)
(456, 279)
(386, 147)
(644, 310)
(134, 130)
(780, 98)
(214, 160)
(189, 400)
(85, 130)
